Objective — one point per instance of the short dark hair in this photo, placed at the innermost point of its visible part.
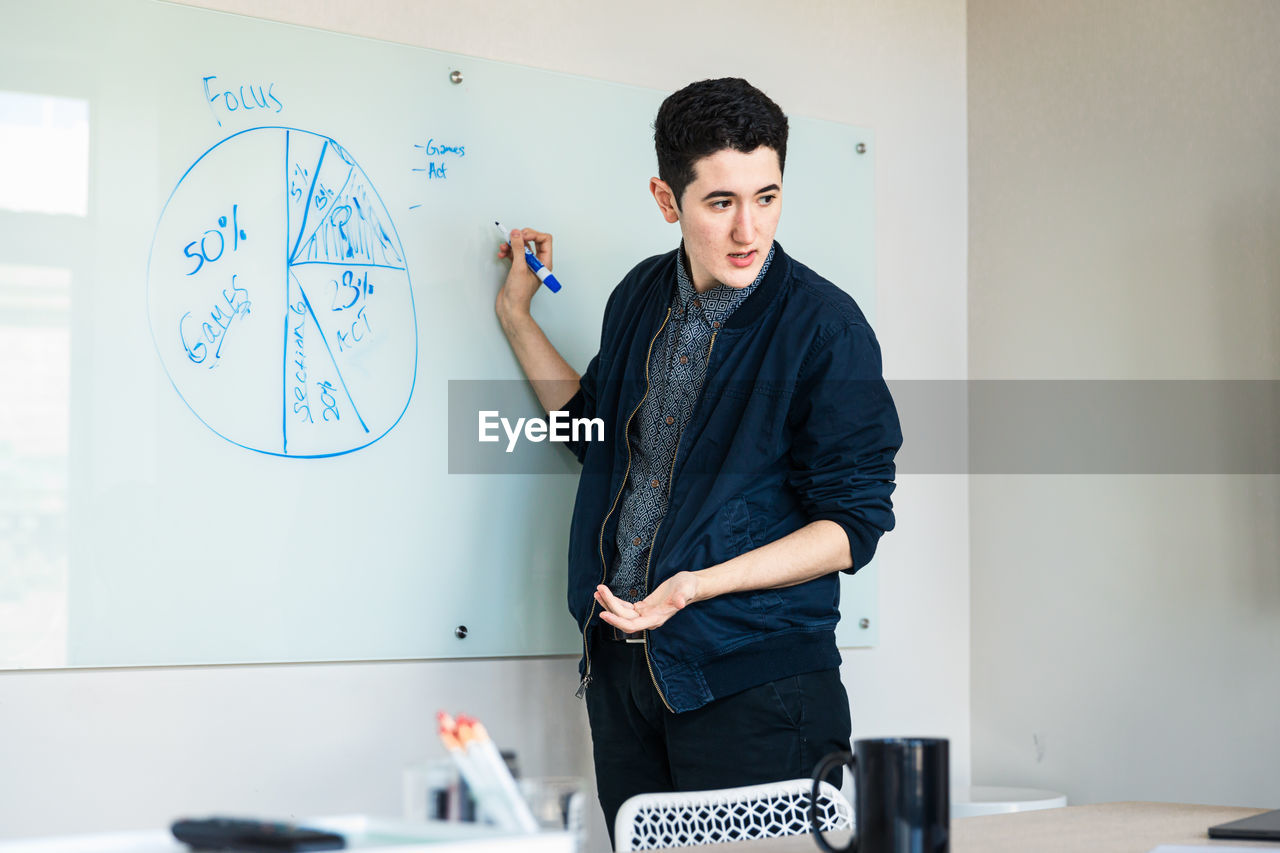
(710, 116)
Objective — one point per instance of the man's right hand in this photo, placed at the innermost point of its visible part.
(513, 300)
(553, 380)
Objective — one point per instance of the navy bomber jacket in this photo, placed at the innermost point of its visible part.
(794, 424)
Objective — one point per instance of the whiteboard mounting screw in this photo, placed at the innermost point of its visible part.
(460, 632)
(864, 623)
(456, 77)
(861, 147)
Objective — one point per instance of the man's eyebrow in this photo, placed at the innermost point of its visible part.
(772, 188)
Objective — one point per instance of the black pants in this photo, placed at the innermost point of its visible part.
(779, 730)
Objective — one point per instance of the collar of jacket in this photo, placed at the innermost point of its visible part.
(750, 310)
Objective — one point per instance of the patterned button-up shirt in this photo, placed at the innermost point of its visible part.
(677, 369)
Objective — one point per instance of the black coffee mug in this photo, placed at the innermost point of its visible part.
(902, 796)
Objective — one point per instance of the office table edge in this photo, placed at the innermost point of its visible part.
(1118, 827)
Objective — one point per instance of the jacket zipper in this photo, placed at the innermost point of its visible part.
(670, 477)
(604, 568)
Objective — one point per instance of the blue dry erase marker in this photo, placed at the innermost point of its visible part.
(544, 275)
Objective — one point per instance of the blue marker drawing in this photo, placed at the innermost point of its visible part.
(232, 99)
(202, 255)
(295, 289)
(341, 220)
(325, 384)
(436, 170)
(433, 150)
(544, 275)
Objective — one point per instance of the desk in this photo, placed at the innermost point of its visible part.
(1098, 828)
(363, 833)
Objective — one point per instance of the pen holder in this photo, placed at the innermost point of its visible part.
(433, 790)
(556, 803)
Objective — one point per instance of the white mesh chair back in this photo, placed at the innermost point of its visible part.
(687, 818)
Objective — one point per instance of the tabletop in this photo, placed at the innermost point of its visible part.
(1097, 828)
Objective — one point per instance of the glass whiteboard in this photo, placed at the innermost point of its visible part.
(240, 264)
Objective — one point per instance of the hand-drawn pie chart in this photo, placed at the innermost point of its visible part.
(279, 296)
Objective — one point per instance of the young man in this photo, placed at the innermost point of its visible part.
(748, 458)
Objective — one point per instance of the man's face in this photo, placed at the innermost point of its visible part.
(728, 216)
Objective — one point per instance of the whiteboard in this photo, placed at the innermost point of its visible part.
(242, 264)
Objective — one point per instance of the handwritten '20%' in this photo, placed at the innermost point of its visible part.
(300, 385)
(350, 293)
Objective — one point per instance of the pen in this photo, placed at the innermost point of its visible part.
(481, 749)
(476, 756)
(490, 800)
(544, 275)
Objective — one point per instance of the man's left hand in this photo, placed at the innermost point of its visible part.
(672, 595)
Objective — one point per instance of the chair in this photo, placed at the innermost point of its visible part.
(687, 818)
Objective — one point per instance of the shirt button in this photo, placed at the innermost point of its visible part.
(654, 483)
(636, 541)
(684, 359)
(670, 420)
(697, 303)
(716, 324)
(632, 593)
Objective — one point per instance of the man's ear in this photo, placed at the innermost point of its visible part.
(665, 198)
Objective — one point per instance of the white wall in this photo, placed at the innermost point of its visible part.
(128, 748)
(124, 748)
(1125, 224)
